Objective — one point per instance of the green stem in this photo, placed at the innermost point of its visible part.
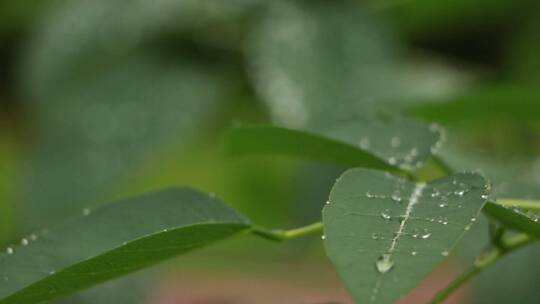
(522, 203)
(482, 262)
(283, 235)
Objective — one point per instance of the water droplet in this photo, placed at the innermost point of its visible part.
(426, 234)
(392, 160)
(323, 237)
(443, 204)
(473, 219)
(375, 236)
(52, 272)
(33, 237)
(395, 142)
(484, 196)
(445, 253)
(384, 263)
(396, 198)
(414, 252)
(467, 227)
(386, 214)
(24, 242)
(461, 192)
(435, 193)
(413, 152)
(86, 212)
(364, 143)
(9, 250)
(327, 203)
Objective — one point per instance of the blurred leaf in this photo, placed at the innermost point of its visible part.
(385, 234)
(514, 218)
(515, 104)
(425, 17)
(327, 68)
(111, 241)
(260, 139)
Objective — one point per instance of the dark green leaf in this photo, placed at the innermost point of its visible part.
(514, 218)
(249, 140)
(111, 241)
(385, 234)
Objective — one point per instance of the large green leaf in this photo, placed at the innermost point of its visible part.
(516, 218)
(262, 139)
(385, 234)
(116, 239)
(326, 67)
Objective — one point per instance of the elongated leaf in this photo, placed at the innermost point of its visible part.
(514, 218)
(119, 238)
(248, 140)
(385, 234)
(518, 104)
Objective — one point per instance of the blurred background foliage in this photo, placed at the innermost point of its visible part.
(107, 98)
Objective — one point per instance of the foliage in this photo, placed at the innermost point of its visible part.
(126, 97)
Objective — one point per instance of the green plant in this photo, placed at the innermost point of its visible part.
(340, 96)
(375, 225)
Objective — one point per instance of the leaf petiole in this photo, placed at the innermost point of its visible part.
(279, 235)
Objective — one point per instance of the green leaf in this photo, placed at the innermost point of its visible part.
(261, 139)
(327, 69)
(111, 241)
(515, 218)
(515, 104)
(385, 234)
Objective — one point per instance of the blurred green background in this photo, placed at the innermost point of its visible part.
(101, 99)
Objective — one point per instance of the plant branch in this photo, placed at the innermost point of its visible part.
(279, 235)
(482, 262)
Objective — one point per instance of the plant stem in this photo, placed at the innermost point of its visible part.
(482, 262)
(283, 235)
(522, 203)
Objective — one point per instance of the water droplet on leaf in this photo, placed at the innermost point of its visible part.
(384, 263)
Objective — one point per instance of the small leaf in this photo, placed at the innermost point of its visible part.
(515, 218)
(385, 234)
(260, 139)
(111, 241)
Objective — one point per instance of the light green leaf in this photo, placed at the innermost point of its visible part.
(111, 241)
(326, 69)
(515, 218)
(262, 139)
(385, 234)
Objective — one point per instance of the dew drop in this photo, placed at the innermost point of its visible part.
(52, 272)
(442, 205)
(33, 237)
(327, 203)
(414, 252)
(445, 253)
(364, 143)
(86, 212)
(484, 196)
(461, 192)
(24, 241)
(392, 160)
(473, 219)
(386, 214)
(426, 235)
(375, 236)
(323, 237)
(10, 250)
(384, 263)
(396, 198)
